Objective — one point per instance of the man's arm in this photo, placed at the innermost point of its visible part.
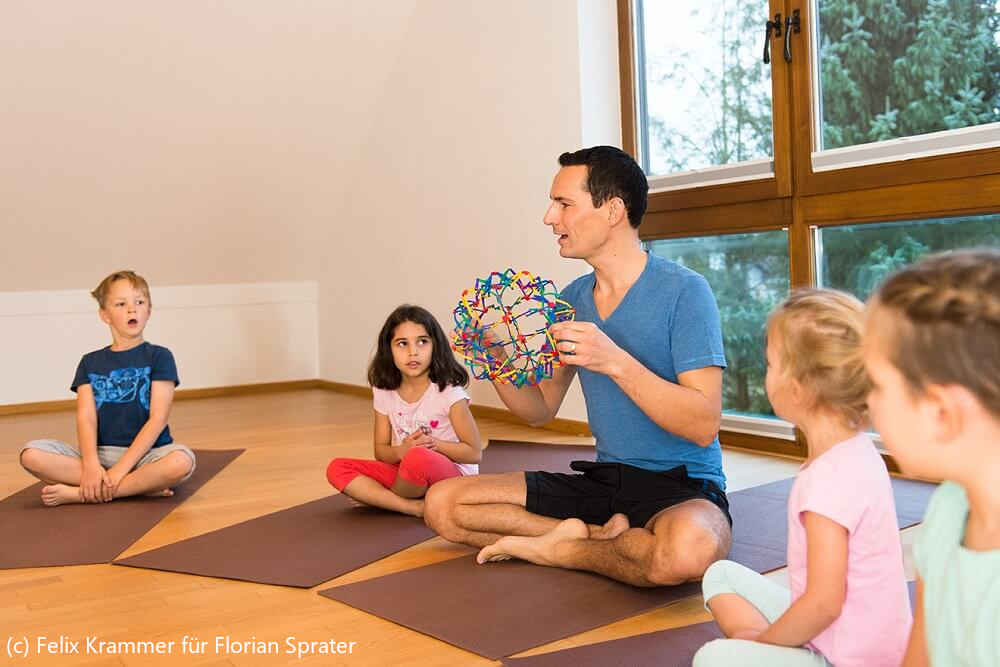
(537, 405)
(690, 408)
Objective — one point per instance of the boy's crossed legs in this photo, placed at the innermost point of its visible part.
(676, 545)
(61, 466)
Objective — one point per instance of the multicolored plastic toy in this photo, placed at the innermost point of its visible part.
(502, 328)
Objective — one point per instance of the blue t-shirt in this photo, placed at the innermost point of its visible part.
(121, 382)
(669, 322)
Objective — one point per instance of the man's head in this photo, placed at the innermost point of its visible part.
(611, 172)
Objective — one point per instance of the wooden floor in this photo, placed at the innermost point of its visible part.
(289, 438)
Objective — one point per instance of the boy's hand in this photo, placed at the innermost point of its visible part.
(92, 482)
(113, 478)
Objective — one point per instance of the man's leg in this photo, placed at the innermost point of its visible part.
(480, 509)
(677, 545)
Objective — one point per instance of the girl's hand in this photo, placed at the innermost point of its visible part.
(416, 439)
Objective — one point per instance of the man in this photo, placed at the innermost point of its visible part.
(648, 347)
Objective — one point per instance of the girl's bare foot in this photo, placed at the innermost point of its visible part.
(60, 494)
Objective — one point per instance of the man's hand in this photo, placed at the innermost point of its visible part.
(92, 481)
(583, 344)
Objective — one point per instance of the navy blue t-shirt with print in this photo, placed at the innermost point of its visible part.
(122, 382)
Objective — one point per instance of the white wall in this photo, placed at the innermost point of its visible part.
(220, 335)
(455, 172)
(386, 151)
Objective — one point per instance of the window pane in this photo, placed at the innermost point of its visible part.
(857, 258)
(749, 275)
(903, 68)
(704, 93)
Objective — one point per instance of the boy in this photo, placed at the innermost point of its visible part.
(124, 393)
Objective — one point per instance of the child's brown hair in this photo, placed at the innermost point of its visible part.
(945, 324)
(100, 293)
(820, 333)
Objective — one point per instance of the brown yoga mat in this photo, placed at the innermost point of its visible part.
(301, 546)
(518, 605)
(667, 648)
(40, 536)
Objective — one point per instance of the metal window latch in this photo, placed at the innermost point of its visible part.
(774, 25)
(791, 23)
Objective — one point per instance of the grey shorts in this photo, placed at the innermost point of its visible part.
(108, 456)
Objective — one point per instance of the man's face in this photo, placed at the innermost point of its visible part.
(581, 228)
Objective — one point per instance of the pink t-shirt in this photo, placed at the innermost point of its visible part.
(850, 485)
(429, 412)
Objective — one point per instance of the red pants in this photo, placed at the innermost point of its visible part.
(420, 466)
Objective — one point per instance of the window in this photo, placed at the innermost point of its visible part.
(856, 258)
(705, 96)
(748, 274)
(871, 138)
(895, 70)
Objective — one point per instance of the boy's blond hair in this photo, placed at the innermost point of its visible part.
(820, 334)
(945, 323)
(100, 293)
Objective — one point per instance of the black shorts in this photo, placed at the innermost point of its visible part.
(605, 489)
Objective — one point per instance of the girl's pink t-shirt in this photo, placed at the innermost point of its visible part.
(849, 484)
(429, 412)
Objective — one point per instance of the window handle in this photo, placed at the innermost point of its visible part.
(791, 23)
(774, 25)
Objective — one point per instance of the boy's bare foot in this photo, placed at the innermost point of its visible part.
(165, 493)
(539, 550)
(614, 527)
(60, 494)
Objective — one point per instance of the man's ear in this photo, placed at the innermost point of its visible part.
(616, 210)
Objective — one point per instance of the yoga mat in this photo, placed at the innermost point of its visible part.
(667, 648)
(301, 546)
(82, 534)
(519, 606)
(514, 456)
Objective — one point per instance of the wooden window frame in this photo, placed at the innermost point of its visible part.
(798, 198)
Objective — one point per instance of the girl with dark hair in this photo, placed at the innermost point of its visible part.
(424, 430)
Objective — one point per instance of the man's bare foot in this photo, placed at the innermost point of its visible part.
(539, 550)
(164, 493)
(615, 526)
(60, 494)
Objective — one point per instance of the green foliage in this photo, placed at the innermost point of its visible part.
(889, 68)
(898, 68)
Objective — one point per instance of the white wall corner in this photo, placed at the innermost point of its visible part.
(600, 88)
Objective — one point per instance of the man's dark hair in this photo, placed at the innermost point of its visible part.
(444, 369)
(611, 172)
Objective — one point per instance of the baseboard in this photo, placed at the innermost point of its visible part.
(345, 388)
(179, 395)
